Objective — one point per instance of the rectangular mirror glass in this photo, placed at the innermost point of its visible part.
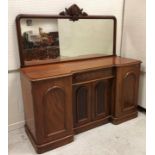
(47, 40)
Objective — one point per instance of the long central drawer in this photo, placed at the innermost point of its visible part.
(92, 75)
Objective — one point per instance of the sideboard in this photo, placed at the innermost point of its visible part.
(63, 99)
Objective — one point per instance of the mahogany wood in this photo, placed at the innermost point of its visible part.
(82, 104)
(67, 98)
(74, 12)
(92, 125)
(90, 75)
(53, 70)
(92, 102)
(101, 99)
(41, 148)
(126, 93)
(48, 111)
(29, 108)
(64, 97)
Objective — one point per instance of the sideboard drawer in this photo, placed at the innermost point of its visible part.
(92, 75)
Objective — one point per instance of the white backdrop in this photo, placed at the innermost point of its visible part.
(134, 34)
(134, 39)
(92, 7)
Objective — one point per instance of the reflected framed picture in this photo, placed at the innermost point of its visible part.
(40, 39)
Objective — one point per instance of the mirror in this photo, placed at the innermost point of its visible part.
(40, 40)
(85, 37)
(47, 39)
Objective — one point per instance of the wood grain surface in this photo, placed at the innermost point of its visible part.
(59, 69)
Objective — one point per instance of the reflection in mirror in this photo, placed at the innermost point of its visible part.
(40, 39)
(53, 40)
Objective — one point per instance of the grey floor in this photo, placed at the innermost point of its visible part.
(125, 139)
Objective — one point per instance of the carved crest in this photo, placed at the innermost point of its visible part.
(74, 12)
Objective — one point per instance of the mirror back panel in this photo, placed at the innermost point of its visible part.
(49, 39)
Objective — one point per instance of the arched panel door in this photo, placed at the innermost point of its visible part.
(129, 91)
(127, 82)
(54, 111)
(82, 104)
(53, 101)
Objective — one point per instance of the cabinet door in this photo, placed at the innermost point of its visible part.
(101, 92)
(126, 92)
(82, 104)
(53, 108)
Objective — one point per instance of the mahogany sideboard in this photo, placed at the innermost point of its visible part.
(63, 99)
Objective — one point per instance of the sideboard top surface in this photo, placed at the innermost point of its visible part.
(68, 68)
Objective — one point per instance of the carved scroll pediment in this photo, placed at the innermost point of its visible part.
(74, 12)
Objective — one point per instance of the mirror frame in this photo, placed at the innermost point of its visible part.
(73, 13)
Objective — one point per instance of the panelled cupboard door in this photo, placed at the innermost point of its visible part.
(53, 108)
(127, 89)
(82, 104)
(101, 92)
(91, 101)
